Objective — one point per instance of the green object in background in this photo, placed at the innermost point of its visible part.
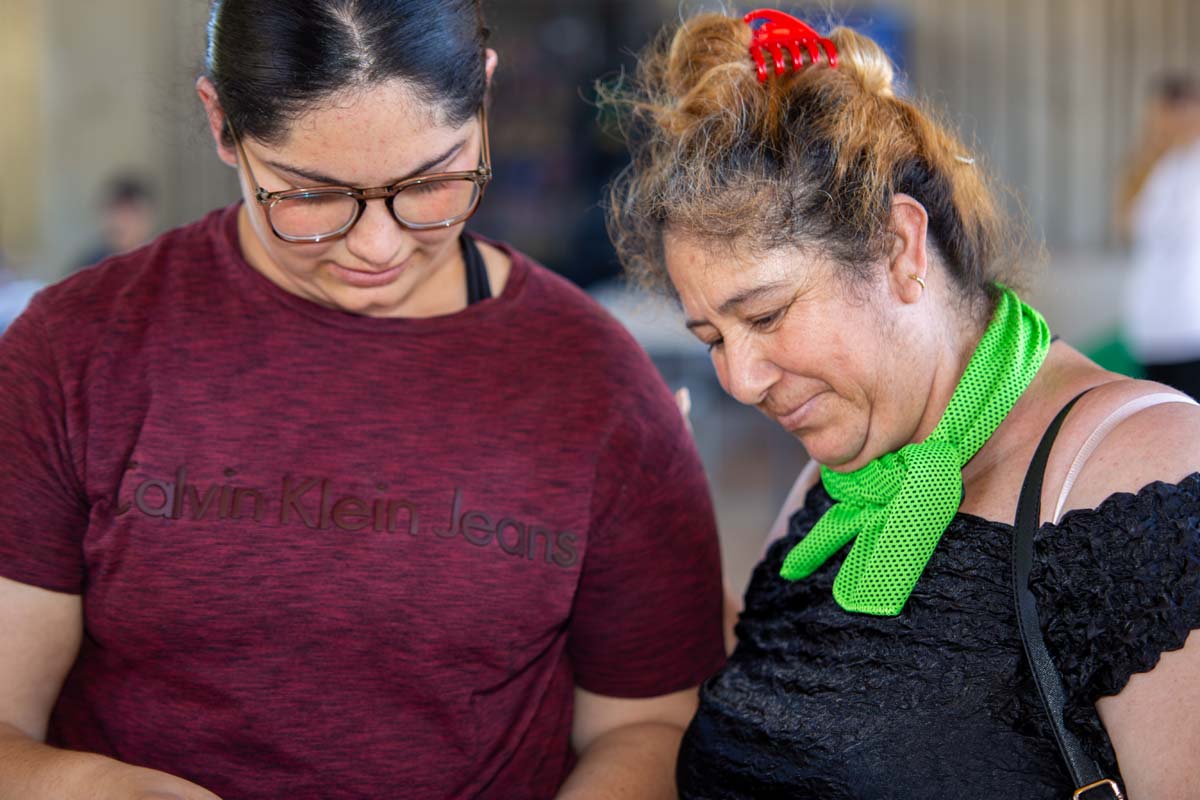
(1111, 353)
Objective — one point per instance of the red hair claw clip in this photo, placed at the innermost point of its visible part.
(779, 31)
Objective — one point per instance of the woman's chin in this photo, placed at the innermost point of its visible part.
(839, 453)
(374, 301)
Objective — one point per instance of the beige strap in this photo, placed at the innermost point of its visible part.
(1122, 413)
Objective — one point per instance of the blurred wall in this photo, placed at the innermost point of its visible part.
(91, 89)
(1054, 91)
(20, 152)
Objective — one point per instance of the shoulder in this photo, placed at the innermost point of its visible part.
(561, 320)
(554, 295)
(1191, 155)
(1177, 167)
(1142, 433)
(586, 364)
(1118, 579)
(1105, 445)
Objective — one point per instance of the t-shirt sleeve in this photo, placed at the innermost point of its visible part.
(42, 512)
(647, 614)
(1117, 586)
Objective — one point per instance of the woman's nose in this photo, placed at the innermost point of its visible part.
(377, 238)
(749, 373)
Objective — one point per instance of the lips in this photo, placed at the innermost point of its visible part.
(367, 279)
(798, 416)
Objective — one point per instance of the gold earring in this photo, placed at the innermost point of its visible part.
(918, 279)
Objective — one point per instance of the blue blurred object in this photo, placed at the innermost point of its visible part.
(888, 26)
(15, 294)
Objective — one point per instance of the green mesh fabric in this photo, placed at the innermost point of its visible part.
(897, 507)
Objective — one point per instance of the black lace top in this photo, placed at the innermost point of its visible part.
(938, 702)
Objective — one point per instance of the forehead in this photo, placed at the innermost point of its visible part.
(382, 130)
(708, 272)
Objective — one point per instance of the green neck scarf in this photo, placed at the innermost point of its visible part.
(899, 505)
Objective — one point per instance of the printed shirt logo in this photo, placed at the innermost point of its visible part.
(314, 504)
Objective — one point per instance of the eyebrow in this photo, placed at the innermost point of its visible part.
(740, 299)
(320, 178)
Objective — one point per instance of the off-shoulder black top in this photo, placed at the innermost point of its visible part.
(938, 702)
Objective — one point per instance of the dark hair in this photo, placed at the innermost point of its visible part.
(1176, 88)
(272, 60)
(811, 158)
(126, 190)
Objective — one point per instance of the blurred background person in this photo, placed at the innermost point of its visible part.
(1159, 210)
(127, 218)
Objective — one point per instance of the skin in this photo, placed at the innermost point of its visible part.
(818, 358)
(351, 140)
(42, 633)
(128, 225)
(856, 372)
(626, 748)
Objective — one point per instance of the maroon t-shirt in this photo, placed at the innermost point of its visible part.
(324, 555)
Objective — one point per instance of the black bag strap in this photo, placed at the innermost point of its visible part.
(478, 286)
(1085, 773)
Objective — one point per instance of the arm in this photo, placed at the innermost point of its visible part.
(41, 630)
(1153, 729)
(40, 633)
(1152, 721)
(627, 747)
(647, 613)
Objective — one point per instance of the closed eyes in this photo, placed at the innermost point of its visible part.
(763, 323)
(766, 321)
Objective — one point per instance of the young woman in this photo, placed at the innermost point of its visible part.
(841, 255)
(321, 497)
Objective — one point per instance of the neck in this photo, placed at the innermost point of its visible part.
(954, 349)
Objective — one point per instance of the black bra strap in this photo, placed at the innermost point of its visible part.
(478, 286)
(1086, 774)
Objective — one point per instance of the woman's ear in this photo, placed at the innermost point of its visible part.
(489, 64)
(216, 119)
(908, 258)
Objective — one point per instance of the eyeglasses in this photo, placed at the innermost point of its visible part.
(421, 203)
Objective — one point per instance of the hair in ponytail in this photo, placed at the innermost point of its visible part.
(810, 158)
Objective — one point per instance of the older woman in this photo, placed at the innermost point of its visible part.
(840, 253)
